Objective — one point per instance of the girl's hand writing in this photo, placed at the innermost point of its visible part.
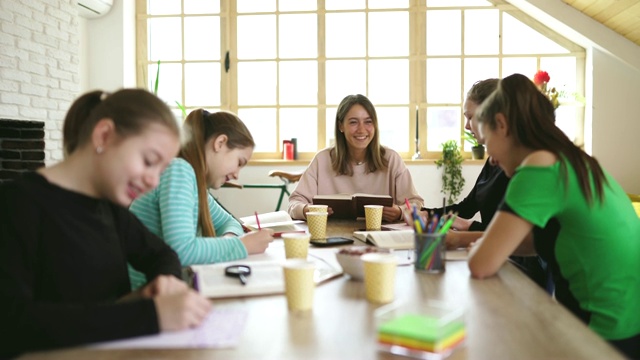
(181, 310)
(257, 242)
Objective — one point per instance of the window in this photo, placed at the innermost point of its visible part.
(284, 65)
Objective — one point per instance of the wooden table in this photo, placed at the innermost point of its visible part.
(507, 317)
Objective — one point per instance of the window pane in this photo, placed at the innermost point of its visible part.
(339, 45)
(254, 44)
(297, 123)
(345, 77)
(252, 6)
(562, 71)
(518, 38)
(443, 123)
(165, 41)
(199, 6)
(393, 123)
(298, 36)
(292, 75)
(389, 33)
(202, 84)
(257, 83)
(443, 81)
(525, 66)
(566, 121)
(169, 82)
(388, 4)
(481, 32)
(454, 3)
(389, 81)
(197, 28)
(444, 32)
(344, 4)
(163, 7)
(331, 126)
(479, 69)
(297, 5)
(262, 125)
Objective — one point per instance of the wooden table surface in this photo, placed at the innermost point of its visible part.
(507, 317)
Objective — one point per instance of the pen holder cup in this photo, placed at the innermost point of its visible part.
(430, 252)
(429, 330)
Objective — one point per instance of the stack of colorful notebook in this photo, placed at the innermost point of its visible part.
(421, 333)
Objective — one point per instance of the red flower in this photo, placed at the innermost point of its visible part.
(541, 77)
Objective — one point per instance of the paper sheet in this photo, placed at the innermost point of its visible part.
(221, 329)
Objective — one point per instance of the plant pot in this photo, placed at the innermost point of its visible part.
(477, 152)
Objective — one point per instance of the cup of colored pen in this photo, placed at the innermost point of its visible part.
(430, 250)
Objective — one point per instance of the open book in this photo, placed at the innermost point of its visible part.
(279, 221)
(400, 239)
(267, 275)
(351, 206)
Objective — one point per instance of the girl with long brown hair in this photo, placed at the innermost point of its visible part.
(182, 211)
(596, 256)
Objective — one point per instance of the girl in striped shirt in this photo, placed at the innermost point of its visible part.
(181, 210)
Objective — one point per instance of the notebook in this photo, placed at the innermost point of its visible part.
(266, 277)
(400, 239)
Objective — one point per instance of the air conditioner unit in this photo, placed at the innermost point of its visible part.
(93, 8)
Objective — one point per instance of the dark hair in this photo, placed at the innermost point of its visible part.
(131, 110)
(199, 127)
(340, 158)
(481, 90)
(531, 122)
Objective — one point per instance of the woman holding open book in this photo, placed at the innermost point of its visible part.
(181, 210)
(357, 163)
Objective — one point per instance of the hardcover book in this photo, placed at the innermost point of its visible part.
(351, 206)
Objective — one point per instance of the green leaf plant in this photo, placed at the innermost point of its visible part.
(155, 91)
(468, 137)
(451, 162)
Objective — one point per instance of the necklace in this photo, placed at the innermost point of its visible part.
(359, 162)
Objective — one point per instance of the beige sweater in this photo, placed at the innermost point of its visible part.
(320, 179)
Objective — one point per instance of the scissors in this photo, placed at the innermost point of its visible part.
(239, 271)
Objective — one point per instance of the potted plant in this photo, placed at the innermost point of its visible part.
(452, 180)
(477, 149)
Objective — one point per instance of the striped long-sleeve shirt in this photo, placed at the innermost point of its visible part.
(171, 212)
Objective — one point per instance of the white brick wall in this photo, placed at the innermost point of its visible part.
(39, 64)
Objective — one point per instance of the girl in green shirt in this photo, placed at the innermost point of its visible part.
(596, 257)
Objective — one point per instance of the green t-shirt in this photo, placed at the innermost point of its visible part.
(598, 246)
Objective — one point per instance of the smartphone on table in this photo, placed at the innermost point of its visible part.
(331, 241)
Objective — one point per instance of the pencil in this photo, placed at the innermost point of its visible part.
(257, 220)
(406, 201)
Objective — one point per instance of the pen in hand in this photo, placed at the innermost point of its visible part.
(257, 220)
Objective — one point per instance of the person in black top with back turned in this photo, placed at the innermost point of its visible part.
(66, 235)
(486, 196)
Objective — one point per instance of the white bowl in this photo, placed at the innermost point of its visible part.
(351, 263)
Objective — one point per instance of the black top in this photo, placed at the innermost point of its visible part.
(486, 196)
(63, 265)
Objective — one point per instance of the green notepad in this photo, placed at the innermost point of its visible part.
(421, 328)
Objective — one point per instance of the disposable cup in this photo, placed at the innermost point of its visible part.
(296, 245)
(317, 222)
(317, 208)
(299, 284)
(379, 277)
(373, 217)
